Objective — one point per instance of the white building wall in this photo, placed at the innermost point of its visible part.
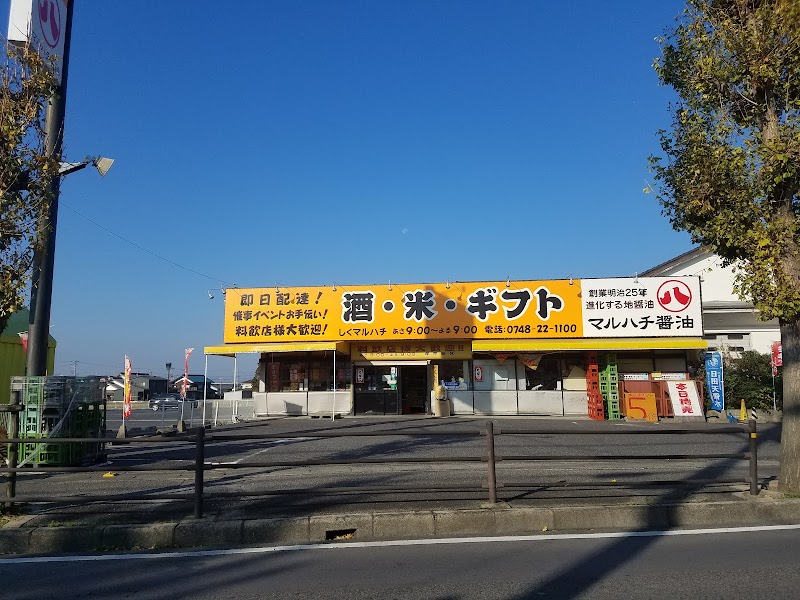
(716, 285)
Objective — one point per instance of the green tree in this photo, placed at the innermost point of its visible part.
(748, 377)
(27, 82)
(730, 169)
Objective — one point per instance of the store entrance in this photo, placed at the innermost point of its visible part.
(414, 389)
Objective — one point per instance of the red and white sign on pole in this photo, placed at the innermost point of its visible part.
(185, 383)
(126, 394)
(777, 357)
(23, 337)
(42, 24)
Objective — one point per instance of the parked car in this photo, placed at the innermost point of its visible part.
(170, 401)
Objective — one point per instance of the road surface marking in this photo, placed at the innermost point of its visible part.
(272, 443)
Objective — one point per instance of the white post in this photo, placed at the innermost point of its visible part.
(205, 390)
(235, 402)
(774, 399)
(333, 410)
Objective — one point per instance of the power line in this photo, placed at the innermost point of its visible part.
(150, 252)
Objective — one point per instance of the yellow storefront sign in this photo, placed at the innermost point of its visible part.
(414, 312)
(411, 350)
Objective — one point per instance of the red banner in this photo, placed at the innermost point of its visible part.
(777, 354)
(185, 383)
(126, 395)
(23, 337)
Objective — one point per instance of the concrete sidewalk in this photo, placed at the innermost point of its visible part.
(20, 537)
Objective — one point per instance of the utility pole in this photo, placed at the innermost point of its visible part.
(44, 256)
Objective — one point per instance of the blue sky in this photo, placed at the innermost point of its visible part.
(305, 142)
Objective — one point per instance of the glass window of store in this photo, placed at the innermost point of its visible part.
(547, 374)
(375, 389)
(294, 372)
(491, 374)
(376, 378)
(454, 374)
(294, 375)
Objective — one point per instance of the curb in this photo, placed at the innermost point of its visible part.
(16, 539)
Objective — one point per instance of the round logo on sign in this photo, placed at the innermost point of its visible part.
(50, 21)
(674, 296)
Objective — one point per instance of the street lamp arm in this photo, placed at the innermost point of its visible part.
(101, 163)
(66, 168)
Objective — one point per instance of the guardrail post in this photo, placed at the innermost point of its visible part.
(753, 458)
(13, 449)
(492, 475)
(199, 464)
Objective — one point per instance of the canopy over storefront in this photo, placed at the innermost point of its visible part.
(233, 349)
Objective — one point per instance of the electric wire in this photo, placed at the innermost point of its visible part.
(150, 252)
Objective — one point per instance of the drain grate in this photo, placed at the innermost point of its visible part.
(340, 534)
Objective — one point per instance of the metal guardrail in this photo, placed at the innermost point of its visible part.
(201, 438)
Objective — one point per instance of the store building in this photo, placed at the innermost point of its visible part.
(497, 348)
(730, 324)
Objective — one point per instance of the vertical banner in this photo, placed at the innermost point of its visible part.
(186, 373)
(126, 395)
(714, 380)
(777, 357)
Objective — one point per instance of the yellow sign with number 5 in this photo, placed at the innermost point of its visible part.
(641, 406)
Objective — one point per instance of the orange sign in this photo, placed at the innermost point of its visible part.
(411, 350)
(439, 311)
(641, 406)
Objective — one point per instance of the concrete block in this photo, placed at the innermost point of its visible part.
(464, 522)
(785, 512)
(319, 526)
(276, 531)
(154, 535)
(712, 514)
(752, 510)
(582, 518)
(193, 533)
(14, 541)
(54, 540)
(412, 525)
(523, 520)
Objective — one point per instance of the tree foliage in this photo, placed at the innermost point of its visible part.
(25, 172)
(729, 173)
(748, 377)
(733, 170)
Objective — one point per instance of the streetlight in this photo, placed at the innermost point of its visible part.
(42, 273)
(101, 163)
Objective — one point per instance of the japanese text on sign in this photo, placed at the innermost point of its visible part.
(477, 310)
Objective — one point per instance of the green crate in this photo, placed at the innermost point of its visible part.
(43, 454)
(88, 420)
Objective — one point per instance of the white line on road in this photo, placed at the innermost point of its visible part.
(423, 542)
(272, 443)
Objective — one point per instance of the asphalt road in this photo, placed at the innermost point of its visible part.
(715, 564)
(270, 465)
